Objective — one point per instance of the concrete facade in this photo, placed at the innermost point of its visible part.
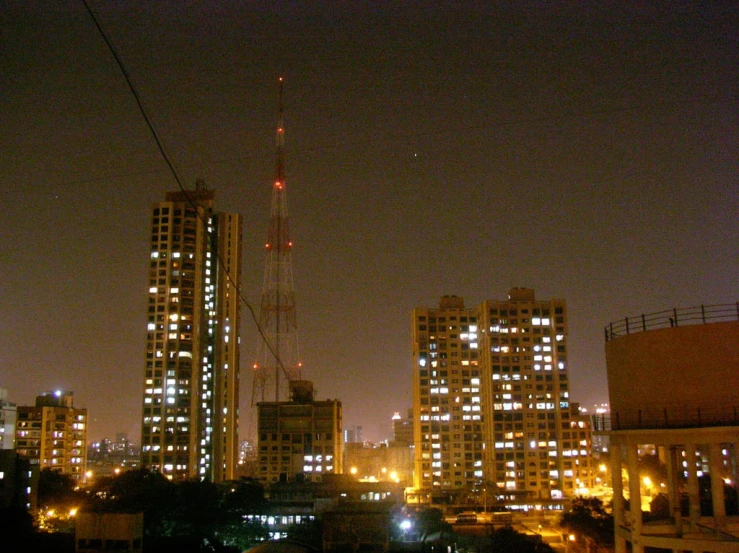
(96, 532)
(675, 388)
(683, 376)
(299, 437)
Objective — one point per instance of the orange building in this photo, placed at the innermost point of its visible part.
(673, 380)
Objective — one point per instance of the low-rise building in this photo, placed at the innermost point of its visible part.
(301, 436)
(97, 531)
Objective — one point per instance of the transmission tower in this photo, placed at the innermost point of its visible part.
(277, 361)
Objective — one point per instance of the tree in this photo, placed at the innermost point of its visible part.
(56, 490)
(589, 521)
(240, 498)
(147, 492)
(505, 540)
(196, 511)
(57, 500)
(244, 494)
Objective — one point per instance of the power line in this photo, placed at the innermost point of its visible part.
(173, 171)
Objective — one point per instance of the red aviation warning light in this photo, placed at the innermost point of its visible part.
(277, 349)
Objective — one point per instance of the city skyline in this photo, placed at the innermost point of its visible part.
(588, 152)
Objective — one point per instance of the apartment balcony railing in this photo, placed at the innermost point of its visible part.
(668, 416)
(701, 314)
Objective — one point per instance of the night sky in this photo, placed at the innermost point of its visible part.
(587, 150)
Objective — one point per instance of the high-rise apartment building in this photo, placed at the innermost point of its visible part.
(491, 398)
(191, 371)
(54, 432)
(447, 397)
(525, 356)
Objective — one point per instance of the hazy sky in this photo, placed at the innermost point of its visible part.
(587, 150)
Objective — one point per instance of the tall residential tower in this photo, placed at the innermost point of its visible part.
(191, 371)
(447, 397)
(491, 400)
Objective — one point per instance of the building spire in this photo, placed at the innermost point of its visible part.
(277, 361)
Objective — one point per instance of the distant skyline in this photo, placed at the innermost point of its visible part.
(587, 151)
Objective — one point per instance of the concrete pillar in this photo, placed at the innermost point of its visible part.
(662, 453)
(632, 464)
(618, 497)
(693, 491)
(717, 486)
(672, 459)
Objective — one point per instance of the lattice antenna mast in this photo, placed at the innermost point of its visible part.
(277, 360)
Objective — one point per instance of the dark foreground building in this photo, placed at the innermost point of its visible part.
(673, 381)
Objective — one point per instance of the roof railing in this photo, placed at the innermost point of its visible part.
(702, 314)
(668, 416)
